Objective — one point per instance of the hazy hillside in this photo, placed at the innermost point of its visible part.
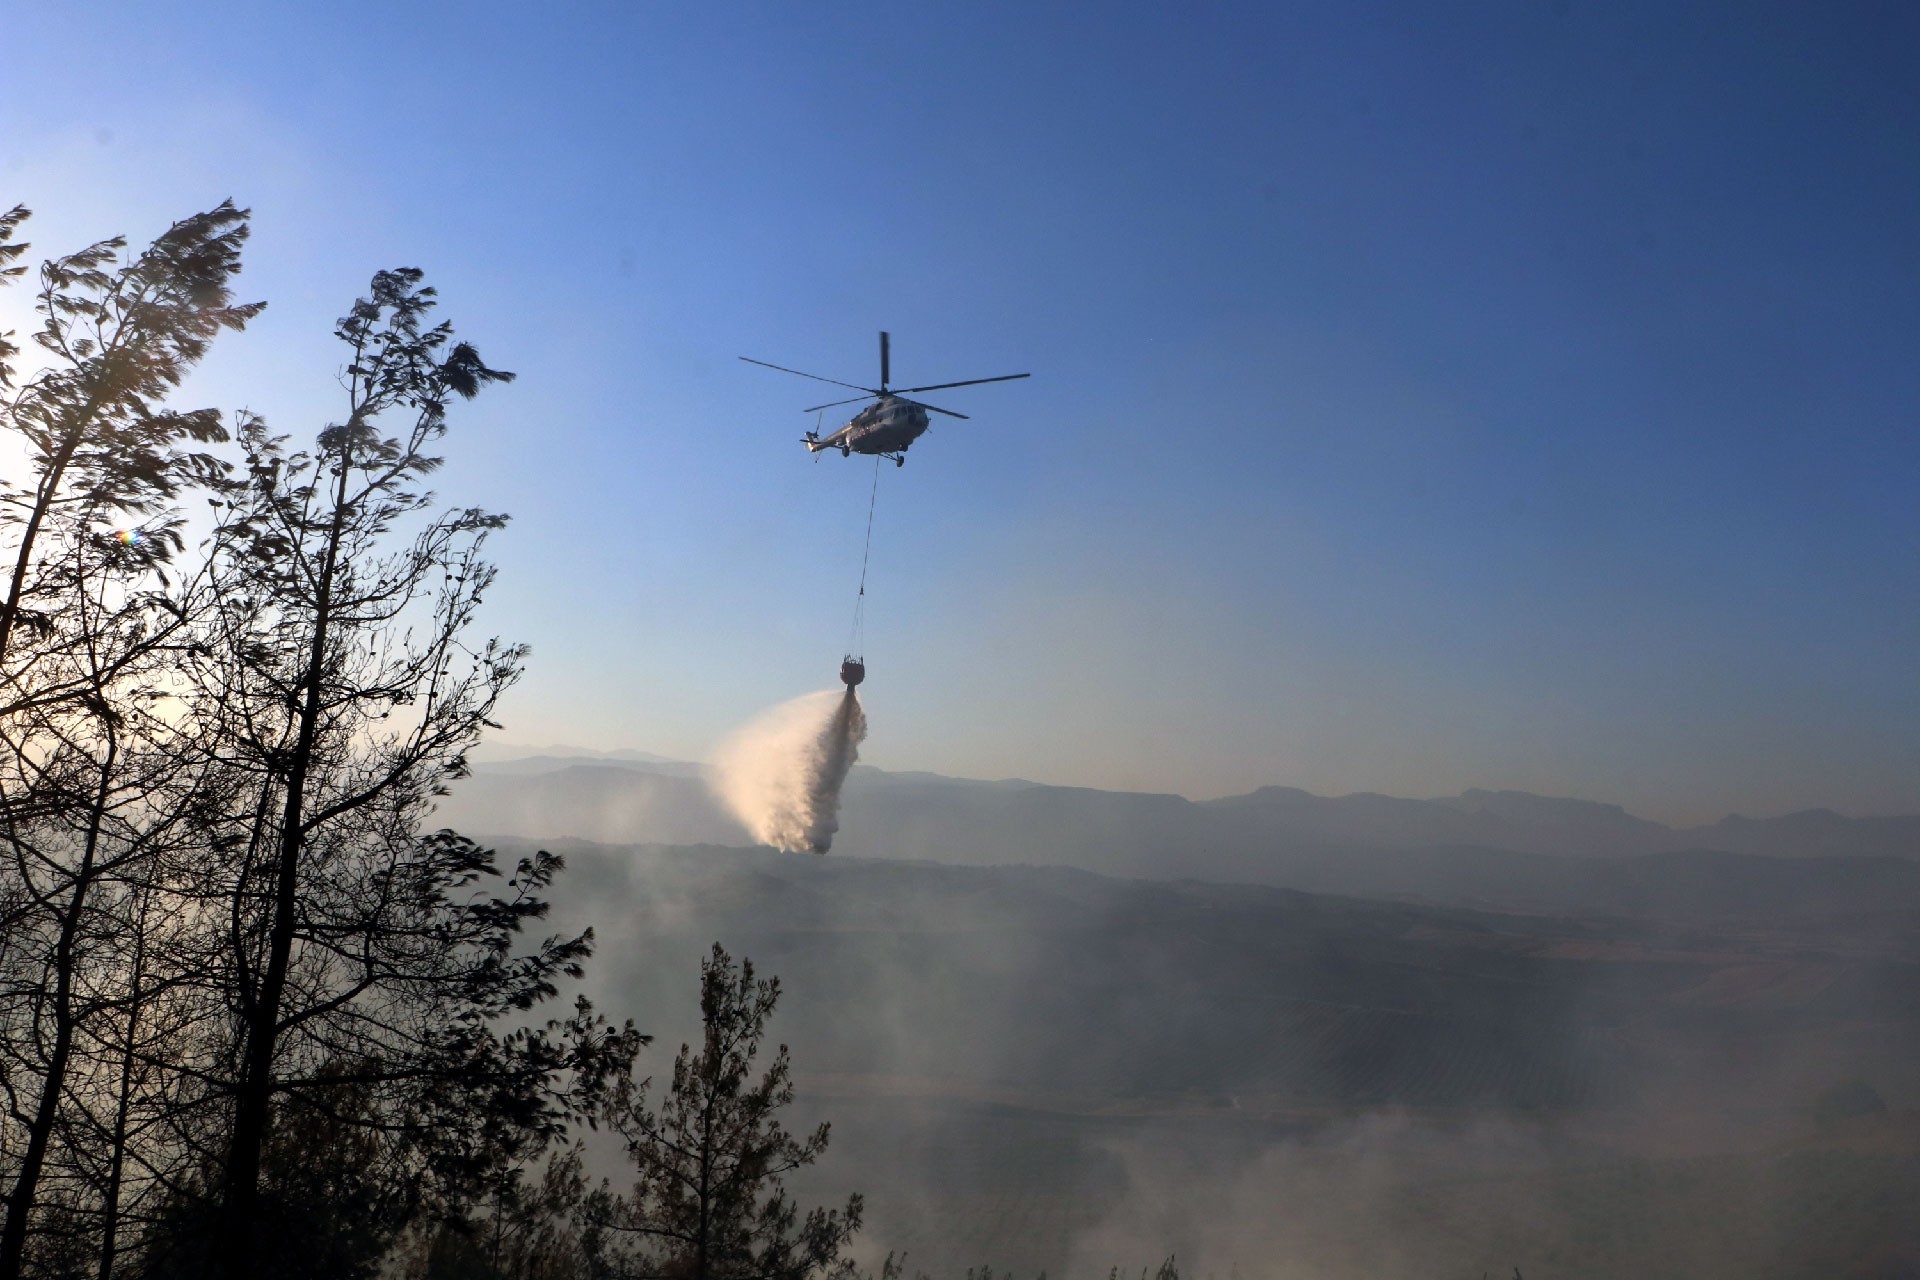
(1065, 1029)
(1074, 984)
(546, 798)
(1049, 1067)
(1505, 850)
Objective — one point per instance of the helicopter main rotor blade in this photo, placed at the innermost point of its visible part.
(833, 405)
(816, 377)
(936, 408)
(883, 359)
(970, 382)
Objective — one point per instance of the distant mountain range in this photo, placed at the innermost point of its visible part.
(1505, 848)
(498, 752)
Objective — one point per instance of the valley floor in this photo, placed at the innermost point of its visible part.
(1043, 1069)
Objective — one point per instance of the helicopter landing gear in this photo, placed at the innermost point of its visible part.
(899, 462)
(845, 452)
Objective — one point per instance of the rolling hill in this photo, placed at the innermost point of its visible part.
(1501, 850)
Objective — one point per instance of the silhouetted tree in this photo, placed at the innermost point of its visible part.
(1166, 1271)
(119, 337)
(335, 686)
(247, 997)
(85, 629)
(549, 1228)
(709, 1203)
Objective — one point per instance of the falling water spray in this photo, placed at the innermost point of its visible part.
(781, 775)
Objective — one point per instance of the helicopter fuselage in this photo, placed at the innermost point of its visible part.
(886, 427)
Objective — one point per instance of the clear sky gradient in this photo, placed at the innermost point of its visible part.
(1425, 395)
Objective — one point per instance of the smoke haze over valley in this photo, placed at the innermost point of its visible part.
(1071, 1028)
(1067, 1071)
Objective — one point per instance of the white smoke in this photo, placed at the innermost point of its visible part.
(781, 774)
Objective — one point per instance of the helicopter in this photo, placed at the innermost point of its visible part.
(890, 424)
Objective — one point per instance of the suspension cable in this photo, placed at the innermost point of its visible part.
(857, 637)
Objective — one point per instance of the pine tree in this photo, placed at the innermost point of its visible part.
(709, 1203)
(337, 690)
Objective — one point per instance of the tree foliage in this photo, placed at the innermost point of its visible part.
(87, 629)
(249, 998)
(336, 691)
(709, 1202)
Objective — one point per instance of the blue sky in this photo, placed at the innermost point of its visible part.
(1425, 395)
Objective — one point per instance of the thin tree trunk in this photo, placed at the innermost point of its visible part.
(43, 502)
(123, 1102)
(253, 1107)
(26, 1186)
(706, 1188)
